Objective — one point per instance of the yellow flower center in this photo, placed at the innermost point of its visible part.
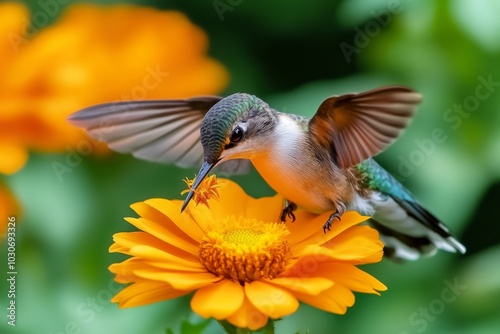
(242, 237)
(245, 249)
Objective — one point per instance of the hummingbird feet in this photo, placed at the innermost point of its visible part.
(328, 224)
(288, 212)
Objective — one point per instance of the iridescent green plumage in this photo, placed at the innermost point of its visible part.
(217, 122)
(377, 178)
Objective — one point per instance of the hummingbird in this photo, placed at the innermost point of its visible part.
(321, 164)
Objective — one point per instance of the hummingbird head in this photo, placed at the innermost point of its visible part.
(236, 127)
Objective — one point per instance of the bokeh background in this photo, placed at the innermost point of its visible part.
(69, 193)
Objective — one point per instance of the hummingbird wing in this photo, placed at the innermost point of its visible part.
(166, 131)
(355, 127)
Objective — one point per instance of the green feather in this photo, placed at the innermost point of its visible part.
(377, 178)
(219, 119)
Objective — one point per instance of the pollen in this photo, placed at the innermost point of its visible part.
(205, 191)
(245, 249)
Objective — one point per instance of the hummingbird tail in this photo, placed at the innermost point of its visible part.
(409, 231)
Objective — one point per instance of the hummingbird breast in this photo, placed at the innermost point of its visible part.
(293, 169)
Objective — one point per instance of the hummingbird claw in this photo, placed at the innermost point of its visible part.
(288, 212)
(328, 224)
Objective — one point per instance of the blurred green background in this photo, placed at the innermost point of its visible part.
(294, 54)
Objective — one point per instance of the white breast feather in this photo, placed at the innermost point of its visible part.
(288, 136)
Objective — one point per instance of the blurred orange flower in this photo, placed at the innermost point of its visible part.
(9, 207)
(241, 262)
(92, 54)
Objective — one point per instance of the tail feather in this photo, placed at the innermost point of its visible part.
(409, 231)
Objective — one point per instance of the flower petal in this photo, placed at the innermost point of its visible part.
(165, 260)
(172, 209)
(136, 269)
(146, 292)
(247, 316)
(271, 300)
(218, 300)
(306, 225)
(335, 300)
(159, 229)
(307, 230)
(169, 214)
(309, 285)
(124, 241)
(233, 200)
(201, 215)
(351, 277)
(179, 280)
(266, 209)
(124, 271)
(358, 245)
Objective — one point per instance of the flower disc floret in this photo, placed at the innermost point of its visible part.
(245, 249)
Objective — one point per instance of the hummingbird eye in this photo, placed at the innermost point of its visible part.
(237, 135)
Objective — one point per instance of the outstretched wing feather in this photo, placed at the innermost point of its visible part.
(165, 131)
(356, 127)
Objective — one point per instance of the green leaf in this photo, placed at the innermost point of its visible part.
(187, 327)
(269, 327)
(190, 328)
(231, 329)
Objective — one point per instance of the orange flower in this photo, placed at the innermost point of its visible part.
(12, 155)
(8, 208)
(92, 54)
(243, 264)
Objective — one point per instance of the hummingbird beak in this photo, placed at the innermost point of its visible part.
(204, 170)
